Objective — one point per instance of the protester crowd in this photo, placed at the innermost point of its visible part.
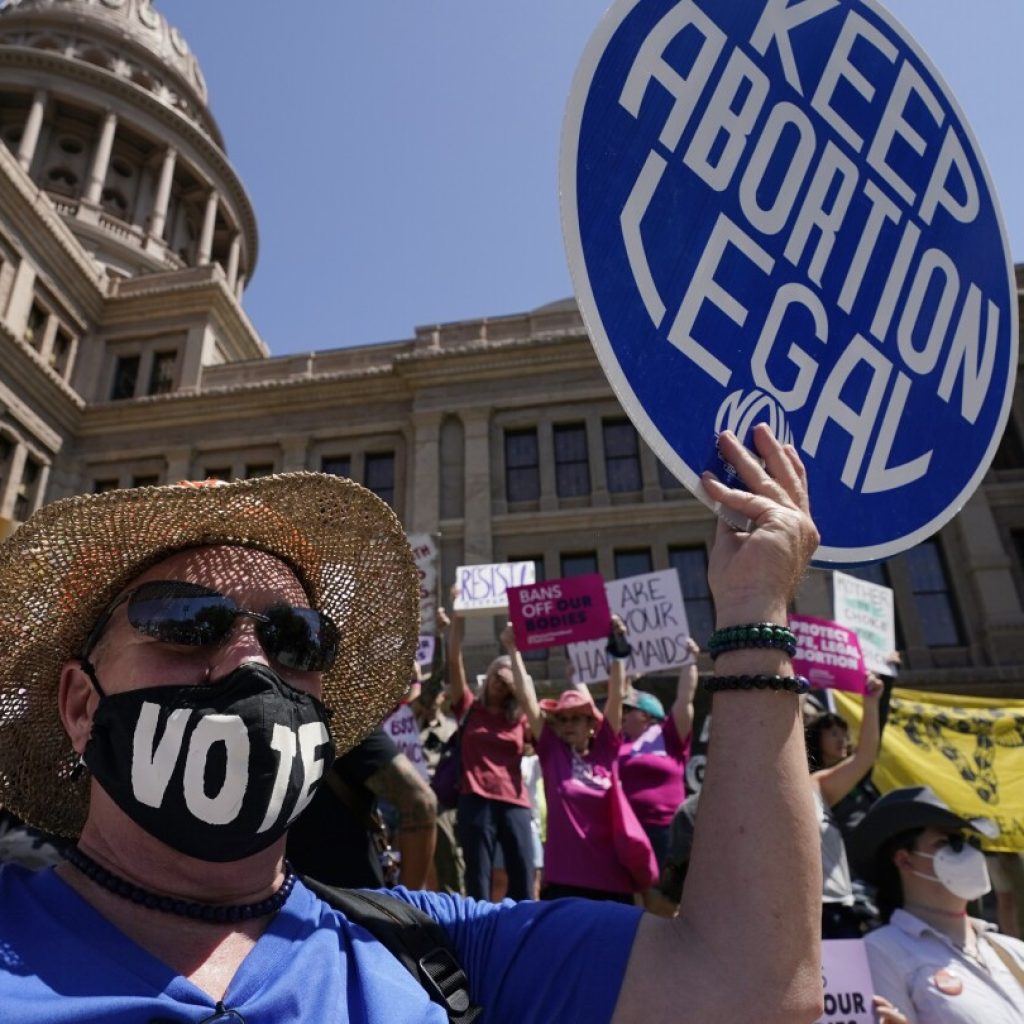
(498, 793)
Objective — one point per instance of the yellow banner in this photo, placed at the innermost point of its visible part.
(970, 750)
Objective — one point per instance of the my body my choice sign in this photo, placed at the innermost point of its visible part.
(776, 209)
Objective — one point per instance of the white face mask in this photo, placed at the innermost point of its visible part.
(963, 872)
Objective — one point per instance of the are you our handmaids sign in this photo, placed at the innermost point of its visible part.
(775, 210)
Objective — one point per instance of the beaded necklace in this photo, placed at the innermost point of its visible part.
(214, 913)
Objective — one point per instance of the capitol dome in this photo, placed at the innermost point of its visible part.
(127, 37)
(104, 106)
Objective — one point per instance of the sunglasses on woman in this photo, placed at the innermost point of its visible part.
(190, 615)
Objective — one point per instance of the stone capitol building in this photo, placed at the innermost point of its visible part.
(126, 358)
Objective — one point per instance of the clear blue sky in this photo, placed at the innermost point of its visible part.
(402, 155)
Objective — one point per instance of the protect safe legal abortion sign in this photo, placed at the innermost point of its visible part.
(775, 210)
(828, 654)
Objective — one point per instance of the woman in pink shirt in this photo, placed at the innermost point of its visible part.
(577, 750)
(494, 807)
(654, 751)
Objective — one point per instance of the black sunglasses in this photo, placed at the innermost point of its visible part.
(176, 612)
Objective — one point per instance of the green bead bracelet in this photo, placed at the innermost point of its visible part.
(757, 635)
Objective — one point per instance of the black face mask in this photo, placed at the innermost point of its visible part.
(217, 771)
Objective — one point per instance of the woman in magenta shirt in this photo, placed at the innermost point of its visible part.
(654, 751)
(494, 807)
(577, 750)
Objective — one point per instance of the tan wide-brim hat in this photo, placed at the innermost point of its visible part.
(62, 568)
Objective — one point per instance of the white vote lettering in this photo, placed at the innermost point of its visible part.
(283, 741)
(153, 763)
(225, 805)
(312, 735)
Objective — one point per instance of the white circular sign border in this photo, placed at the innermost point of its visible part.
(579, 92)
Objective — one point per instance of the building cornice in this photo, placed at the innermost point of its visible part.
(181, 294)
(30, 214)
(59, 407)
(219, 405)
(634, 515)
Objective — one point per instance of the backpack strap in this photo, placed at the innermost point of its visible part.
(414, 938)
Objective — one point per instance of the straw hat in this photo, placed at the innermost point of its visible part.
(61, 569)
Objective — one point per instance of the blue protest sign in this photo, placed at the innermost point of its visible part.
(775, 210)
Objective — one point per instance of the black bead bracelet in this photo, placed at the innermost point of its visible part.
(756, 635)
(793, 684)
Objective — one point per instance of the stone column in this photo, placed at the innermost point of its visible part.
(546, 466)
(206, 238)
(997, 605)
(477, 539)
(240, 287)
(648, 472)
(293, 454)
(69, 366)
(595, 452)
(19, 303)
(426, 468)
(179, 465)
(42, 483)
(158, 218)
(45, 348)
(101, 159)
(233, 256)
(30, 133)
(15, 469)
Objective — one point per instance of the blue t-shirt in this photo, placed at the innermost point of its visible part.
(529, 963)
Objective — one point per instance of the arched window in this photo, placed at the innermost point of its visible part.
(60, 179)
(113, 201)
(122, 168)
(99, 57)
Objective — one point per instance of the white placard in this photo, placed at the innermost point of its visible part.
(868, 609)
(483, 588)
(426, 555)
(846, 976)
(425, 651)
(651, 605)
(401, 726)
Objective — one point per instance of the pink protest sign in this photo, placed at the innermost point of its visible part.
(828, 654)
(559, 611)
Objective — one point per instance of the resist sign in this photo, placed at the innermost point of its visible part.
(483, 588)
(559, 612)
(775, 211)
(827, 653)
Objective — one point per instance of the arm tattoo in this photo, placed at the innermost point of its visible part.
(400, 784)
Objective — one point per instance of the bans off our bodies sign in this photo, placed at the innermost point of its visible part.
(559, 612)
(777, 210)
